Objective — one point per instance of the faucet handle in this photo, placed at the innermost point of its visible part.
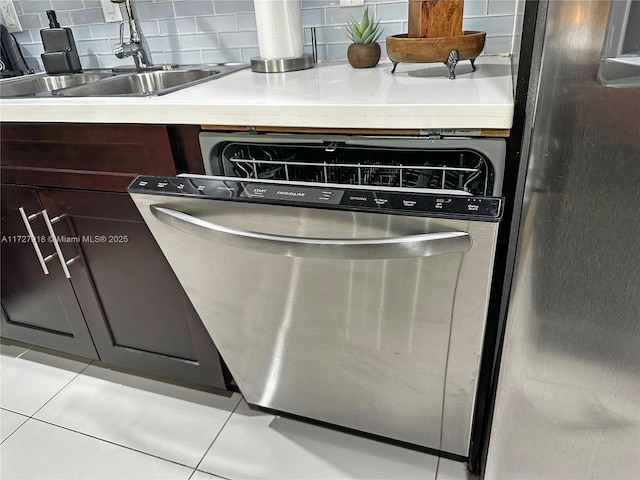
(118, 48)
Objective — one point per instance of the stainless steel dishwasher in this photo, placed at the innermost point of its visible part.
(343, 279)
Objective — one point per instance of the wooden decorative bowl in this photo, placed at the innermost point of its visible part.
(401, 48)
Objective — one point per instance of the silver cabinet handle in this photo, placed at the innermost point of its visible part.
(41, 259)
(419, 245)
(63, 262)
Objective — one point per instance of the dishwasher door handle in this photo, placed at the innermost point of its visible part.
(407, 246)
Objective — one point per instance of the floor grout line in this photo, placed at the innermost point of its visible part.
(33, 417)
(208, 473)
(62, 388)
(27, 350)
(9, 344)
(194, 470)
(112, 443)
(13, 411)
(30, 417)
(26, 419)
(218, 434)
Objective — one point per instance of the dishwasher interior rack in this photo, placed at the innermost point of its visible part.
(454, 166)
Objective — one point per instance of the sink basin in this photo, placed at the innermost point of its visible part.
(142, 84)
(36, 84)
(107, 83)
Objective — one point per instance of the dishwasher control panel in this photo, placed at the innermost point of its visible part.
(349, 198)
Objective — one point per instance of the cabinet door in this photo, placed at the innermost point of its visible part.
(37, 308)
(134, 305)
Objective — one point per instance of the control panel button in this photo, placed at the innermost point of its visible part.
(476, 206)
(218, 189)
(364, 199)
(182, 185)
(407, 202)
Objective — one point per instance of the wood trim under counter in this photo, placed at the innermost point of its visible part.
(495, 132)
(83, 156)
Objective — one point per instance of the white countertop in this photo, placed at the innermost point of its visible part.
(330, 95)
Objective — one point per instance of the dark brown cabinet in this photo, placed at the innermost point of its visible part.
(122, 302)
(38, 306)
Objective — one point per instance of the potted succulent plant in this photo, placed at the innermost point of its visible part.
(364, 52)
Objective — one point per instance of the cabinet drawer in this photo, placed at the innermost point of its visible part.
(87, 156)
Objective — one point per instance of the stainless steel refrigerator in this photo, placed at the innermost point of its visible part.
(568, 395)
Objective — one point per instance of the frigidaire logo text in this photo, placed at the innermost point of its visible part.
(291, 194)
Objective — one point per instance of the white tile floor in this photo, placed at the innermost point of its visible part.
(61, 418)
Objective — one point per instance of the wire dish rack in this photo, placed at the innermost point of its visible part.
(465, 171)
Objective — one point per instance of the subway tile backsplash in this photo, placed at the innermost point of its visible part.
(211, 31)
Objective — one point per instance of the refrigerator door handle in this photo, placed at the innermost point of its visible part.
(408, 246)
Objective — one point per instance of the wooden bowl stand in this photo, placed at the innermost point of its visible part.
(448, 50)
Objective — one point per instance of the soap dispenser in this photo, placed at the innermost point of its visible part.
(60, 53)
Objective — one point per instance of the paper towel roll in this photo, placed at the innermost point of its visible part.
(279, 28)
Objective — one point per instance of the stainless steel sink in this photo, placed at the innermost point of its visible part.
(142, 84)
(38, 84)
(106, 83)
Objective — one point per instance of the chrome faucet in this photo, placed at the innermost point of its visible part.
(137, 45)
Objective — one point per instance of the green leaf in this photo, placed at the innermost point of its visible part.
(367, 31)
(365, 16)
